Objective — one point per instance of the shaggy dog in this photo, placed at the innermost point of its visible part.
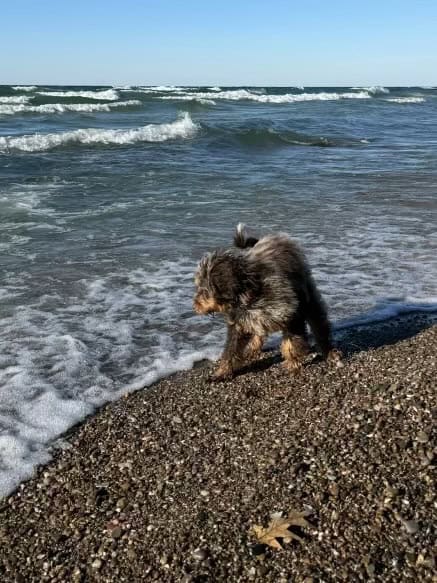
(262, 286)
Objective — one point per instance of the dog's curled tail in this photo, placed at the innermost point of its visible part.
(242, 239)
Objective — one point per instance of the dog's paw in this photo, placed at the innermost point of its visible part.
(335, 357)
(221, 378)
(222, 374)
(293, 366)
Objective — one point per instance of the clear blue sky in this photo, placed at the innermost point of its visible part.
(238, 42)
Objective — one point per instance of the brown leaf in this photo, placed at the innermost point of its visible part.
(278, 528)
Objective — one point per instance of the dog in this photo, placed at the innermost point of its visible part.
(263, 286)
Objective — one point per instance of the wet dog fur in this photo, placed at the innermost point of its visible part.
(262, 286)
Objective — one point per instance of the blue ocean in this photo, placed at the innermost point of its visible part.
(110, 195)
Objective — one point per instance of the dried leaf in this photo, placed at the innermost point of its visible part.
(278, 528)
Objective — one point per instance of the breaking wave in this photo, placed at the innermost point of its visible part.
(16, 99)
(65, 107)
(188, 98)
(245, 94)
(108, 95)
(374, 90)
(163, 88)
(24, 87)
(406, 99)
(183, 127)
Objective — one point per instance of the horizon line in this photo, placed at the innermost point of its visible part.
(259, 85)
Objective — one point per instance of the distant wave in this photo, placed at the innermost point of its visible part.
(244, 94)
(108, 95)
(189, 97)
(161, 88)
(152, 89)
(16, 99)
(24, 87)
(269, 137)
(374, 90)
(406, 99)
(183, 127)
(65, 107)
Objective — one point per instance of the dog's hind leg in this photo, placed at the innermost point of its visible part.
(254, 347)
(318, 320)
(294, 345)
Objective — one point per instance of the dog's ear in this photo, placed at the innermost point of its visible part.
(223, 278)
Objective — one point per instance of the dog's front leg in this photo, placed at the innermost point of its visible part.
(233, 353)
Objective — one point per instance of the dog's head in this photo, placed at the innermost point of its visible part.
(217, 283)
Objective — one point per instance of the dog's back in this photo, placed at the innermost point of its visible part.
(271, 248)
(279, 259)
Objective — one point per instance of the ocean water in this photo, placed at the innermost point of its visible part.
(110, 195)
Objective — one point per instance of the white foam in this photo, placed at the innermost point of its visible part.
(51, 380)
(16, 99)
(24, 88)
(406, 99)
(66, 107)
(106, 95)
(183, 127)
(244, 94)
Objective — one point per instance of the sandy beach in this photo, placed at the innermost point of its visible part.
(167, 483)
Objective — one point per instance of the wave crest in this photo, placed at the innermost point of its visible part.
(374, 90)
(106, 95)
(24, 87)
(245, 94)
(16, 99)
(65, 107)
(406, 99)
(183, 127)
(190, 98)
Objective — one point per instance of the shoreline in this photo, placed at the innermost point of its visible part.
(165, 483)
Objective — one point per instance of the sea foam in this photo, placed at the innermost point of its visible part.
(54, 379)
(183, 127)
(48, 108)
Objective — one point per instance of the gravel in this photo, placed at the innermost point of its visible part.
(166, 484)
